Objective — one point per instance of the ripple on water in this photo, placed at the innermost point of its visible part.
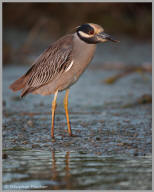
(70, 170)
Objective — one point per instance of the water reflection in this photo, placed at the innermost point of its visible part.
(56, 174)
(71, 170)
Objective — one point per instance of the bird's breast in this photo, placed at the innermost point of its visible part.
(82, 54)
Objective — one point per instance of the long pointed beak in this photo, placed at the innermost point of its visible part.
(104, 37)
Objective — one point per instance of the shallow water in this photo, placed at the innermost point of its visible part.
(39, 169)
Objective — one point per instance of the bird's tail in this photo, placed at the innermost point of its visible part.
(18, 84)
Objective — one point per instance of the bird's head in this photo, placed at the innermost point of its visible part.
(93, 33)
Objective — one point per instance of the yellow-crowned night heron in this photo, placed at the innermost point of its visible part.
(61, 65)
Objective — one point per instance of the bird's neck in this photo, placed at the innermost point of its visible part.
(83, 50)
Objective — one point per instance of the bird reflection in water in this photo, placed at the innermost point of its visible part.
(59, 182)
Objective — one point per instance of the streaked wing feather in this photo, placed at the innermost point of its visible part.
(52, 61)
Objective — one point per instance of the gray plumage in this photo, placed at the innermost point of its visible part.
(51, 62)
(49, 72)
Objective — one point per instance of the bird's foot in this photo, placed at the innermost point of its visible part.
(74, 135)
(53, 139)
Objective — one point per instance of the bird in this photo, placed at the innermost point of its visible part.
(61, 65)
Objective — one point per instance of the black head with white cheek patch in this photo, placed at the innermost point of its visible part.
(87, 34)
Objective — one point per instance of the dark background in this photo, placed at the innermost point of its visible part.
(29, 26)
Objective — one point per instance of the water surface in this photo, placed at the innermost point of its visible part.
(70, 170)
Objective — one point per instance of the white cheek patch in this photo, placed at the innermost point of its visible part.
(84, 34)
(69, 67)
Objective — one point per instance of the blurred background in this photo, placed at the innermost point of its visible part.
(28, 28)
(110, 106)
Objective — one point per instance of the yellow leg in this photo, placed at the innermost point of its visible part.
(66, 111)
(53, 113)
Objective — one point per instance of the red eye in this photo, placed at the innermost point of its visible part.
(91, 32)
